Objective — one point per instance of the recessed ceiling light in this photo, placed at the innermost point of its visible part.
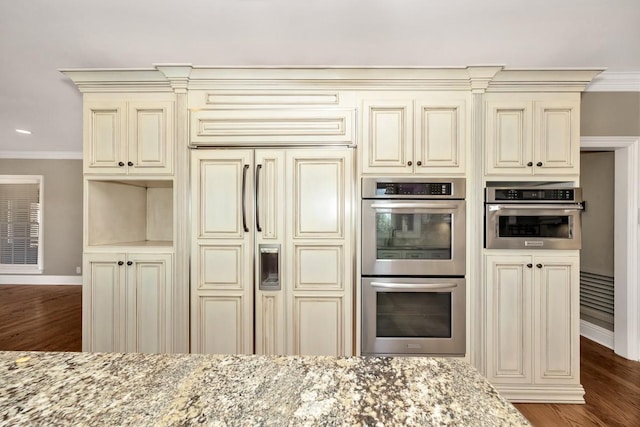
(26, 132)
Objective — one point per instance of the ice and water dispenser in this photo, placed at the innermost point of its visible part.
(269, 267)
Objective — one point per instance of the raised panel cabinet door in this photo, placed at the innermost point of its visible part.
(222, 250)
(556, 321)
(318, 264)
(319, 326)
(104, 303)
(224, 325)
(270, 251)
(319, 193)
(105, 138)
(222, 189)
(509, 319)
(440, 135)
(387, 137)
(557, 137)
(508, 138)
(151, 138)
(149, 302)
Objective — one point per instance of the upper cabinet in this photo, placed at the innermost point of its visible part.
(532, 134)
(128, 137)
(405, 134)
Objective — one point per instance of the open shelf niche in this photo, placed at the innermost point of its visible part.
(129, 213)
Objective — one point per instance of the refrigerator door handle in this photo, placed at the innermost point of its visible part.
(258, 228)
(244, 198)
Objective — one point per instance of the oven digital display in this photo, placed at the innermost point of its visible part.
(413, 188)
(503, 194)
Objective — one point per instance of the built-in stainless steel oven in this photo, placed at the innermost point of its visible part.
(533, 218)
(413, 316)
(413, 266)
(413, 227)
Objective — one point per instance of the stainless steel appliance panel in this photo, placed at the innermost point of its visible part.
(413, 227)
(533, 218)
(413, 188)
(413, 316)
(407, 238)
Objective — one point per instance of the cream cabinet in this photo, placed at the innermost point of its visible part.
(271, 251)
(128, 279)
(532, 134)
(127, 301)
(128, 137)
(410, 134)
(532, 330)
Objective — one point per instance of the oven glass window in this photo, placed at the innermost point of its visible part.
(413, 235)
(413, 314)
(555, 226)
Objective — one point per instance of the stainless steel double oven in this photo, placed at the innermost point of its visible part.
(413, 266)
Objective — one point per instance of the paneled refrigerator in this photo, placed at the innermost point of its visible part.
(272, 251)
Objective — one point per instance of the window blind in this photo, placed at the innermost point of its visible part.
(20, 224)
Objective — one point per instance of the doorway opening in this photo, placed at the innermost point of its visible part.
(626, 339)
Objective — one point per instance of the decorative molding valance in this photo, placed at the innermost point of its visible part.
(169, 77)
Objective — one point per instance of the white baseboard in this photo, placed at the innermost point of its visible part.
(596, 333)
(22, 279)
(546, 393)
(42, 155)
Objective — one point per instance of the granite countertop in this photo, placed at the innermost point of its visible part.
(61, 389)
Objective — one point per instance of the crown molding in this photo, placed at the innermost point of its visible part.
(328, 77)
(615, 82)
(182, 77)
(543, 80)
(118, 80)
(42, 155)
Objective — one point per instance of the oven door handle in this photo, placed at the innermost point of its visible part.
(423, 205)
(414, 286)
(576, 207)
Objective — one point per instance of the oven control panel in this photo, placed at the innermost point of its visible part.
(413, 188)
(534, 195)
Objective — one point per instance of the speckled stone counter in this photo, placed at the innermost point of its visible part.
(61, 389)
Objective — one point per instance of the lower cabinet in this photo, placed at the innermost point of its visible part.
(532, 326)
(127, 302)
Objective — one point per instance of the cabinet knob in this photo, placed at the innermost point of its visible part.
(409, 163)
(529, 265)
(539, 265)
(419, 163)
(539, 164)
(120, 262)
(120, 164)
(129, 262)
(530, 164)
(129, 163)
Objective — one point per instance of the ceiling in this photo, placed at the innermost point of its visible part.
(38, 37)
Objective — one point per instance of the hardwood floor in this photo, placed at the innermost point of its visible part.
(612, 393)
(49, 318)
(41, 318)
